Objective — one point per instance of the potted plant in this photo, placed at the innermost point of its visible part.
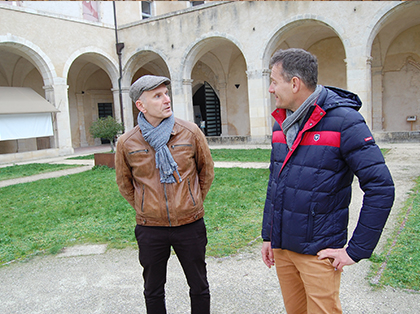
(107, 128)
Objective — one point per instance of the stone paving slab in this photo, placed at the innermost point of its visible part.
(83, 250)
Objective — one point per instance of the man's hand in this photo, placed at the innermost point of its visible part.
(267, 254)
(340, 256)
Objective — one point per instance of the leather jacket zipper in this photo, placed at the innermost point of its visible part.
(167, 205)
(139, 151)
(189, 189)
(179, 145)
(142, 200)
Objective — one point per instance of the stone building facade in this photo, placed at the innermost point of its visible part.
(216, 55)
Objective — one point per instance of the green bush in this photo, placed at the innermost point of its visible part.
(107, 128)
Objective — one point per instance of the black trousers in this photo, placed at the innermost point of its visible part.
(189, 243)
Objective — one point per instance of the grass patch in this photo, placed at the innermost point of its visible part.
(385, 151)
(18, 171)
(85, 157)
(242, 155)
(400, 260)
(44, 216)
(234, 208)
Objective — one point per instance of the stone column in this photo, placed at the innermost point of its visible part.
(129, 120)
(117, 106)
(127, 108)
(182, 104)
(81, 118)
(377, 111)
(359, 80)
(267, 100)
(57, 95)
(259, 104)
(222, 88)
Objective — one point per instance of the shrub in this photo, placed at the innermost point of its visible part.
(107, 128)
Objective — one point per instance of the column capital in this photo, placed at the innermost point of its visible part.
(266, 72)
(187, 81)
(257, 74)
(123, 90)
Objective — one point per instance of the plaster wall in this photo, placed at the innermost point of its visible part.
(126, 11)
(237, 100)
(164, 7)
(62, 37)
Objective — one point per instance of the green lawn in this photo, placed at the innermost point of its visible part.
(244, 155)
(399, 263)
(234, 208)
(87, 208)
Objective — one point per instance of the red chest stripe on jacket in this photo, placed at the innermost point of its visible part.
(278, 137)
(322, 138)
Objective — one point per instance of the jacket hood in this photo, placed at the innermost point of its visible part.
(332, 97)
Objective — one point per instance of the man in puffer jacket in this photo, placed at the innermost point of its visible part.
(319, 143)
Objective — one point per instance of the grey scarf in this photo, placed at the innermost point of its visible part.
(293, 121)
(158, 137)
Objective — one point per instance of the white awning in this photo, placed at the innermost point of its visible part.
(24, 114)
(23, 100)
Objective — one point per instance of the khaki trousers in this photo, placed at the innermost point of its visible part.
(308, 285)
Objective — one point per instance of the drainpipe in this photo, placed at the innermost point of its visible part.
(119, 47)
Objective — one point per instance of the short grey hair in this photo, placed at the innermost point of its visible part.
(297, 62)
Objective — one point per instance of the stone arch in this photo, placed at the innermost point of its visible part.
(92, 77)
(284, 30)
(97, 57)
(218, 60)
(155, 60)
(24, 64)
(200, 46)
(319, 36)
(384, 17)
(394, 47)
(32, 53)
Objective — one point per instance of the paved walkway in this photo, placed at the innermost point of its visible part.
(91, 279)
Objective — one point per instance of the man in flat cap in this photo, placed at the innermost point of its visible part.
(164, 170)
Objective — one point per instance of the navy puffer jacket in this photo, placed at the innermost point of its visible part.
(309, 189)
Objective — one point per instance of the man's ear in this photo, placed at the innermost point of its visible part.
(140, 106)
(296, 84)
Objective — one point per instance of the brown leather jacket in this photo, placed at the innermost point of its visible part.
(163, 204)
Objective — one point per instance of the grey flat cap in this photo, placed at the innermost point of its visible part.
(145, 83)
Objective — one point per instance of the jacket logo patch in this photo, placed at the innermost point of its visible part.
(322, 138)
(368, 138)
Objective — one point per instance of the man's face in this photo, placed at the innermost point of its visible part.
(282, 90)
(155, 105)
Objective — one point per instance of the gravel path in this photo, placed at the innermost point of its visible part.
(91, 280)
